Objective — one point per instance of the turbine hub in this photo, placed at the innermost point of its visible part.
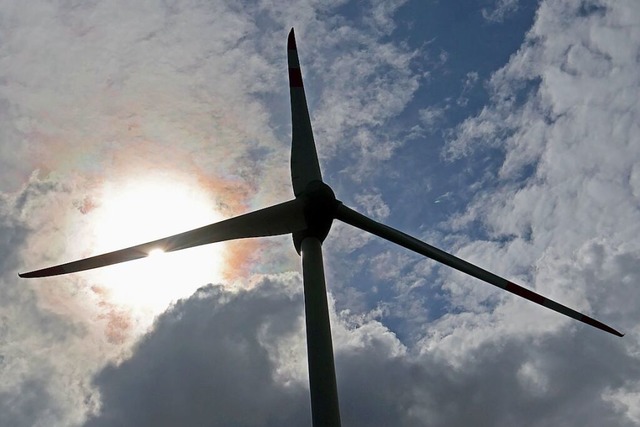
(320, 207)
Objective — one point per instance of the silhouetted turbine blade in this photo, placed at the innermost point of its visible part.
(304, 158)
(283, 218)
(358, 220)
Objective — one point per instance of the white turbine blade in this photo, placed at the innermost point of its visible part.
(358, 220)
(304, 159)
(325, 410)
(283, 218)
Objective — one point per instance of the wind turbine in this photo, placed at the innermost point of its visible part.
(308, 218)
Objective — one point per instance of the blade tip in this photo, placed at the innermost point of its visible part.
(291, 42)
(27, 275)
(612, 331)
(597, 324)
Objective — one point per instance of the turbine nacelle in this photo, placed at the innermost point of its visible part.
(320, 206)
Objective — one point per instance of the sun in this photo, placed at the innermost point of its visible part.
(143, 209)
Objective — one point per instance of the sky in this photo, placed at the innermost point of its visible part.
(503, 131)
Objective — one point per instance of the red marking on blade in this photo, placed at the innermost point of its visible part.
(291, 41)
(525, 293)
(295, 77)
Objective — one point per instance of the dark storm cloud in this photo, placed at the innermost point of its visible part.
(204, 364)
(208, 362)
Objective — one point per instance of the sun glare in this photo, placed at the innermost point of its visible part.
(144, 210)
(156, 252)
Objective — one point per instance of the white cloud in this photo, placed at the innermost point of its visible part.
(431, 117)
(627, 400)
(373, 205)
(41, 350)
(565, 106)
(501, 11)
(471, 78)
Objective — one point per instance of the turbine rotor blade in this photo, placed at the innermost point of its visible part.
(362, 222)
(325, 410)
(304, 158)
(283, 218)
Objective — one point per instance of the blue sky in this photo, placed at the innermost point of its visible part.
(503, 131)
